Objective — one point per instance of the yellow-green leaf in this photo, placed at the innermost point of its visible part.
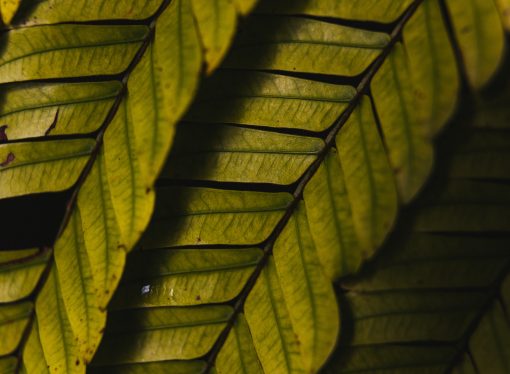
(323, 47)
(13, 321)
(410, 151)
(174, 367)
(43, 52)
(268, 319)
(8, 9)
(368, 181)
(245, 6)
(30, 110)
(270, 100)
(33, 355)
(207, 276)
(216, 21)
(159, 329)
(279, 123)
(307, 292)
(79, 292)
(265, 137)
(213, 217)
(19, 274)
(432, 67)
(61, 351)
(239, 355)
(91, 94)
(42, 166)
(480, 34)
(504, 11)
(436, 299)
(222, 151)
(8, 365)
(363, 10)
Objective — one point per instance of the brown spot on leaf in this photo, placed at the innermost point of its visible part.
(3, 134)
(53, 124)
(198, 298)
(10, 158)
(465, 30)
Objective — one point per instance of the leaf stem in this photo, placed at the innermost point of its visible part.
(363, 88)
(71, 202)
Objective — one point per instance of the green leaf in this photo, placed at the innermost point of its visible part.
(245, 6)
(20, 272)
(177, 367)
(42, 166)
(61, 350)
(473, 24)
(162, 328)
(488, 343)
(33, 355)
(91, 94)
(239, 355)
(7, 365)
(363, 10)
(320, 45)
(223, 150)
(308, 294)
(274, 340)
(504, 10)
(291, 178)
(217, 22)
(8, 9)
(266, 99)
(436, 299)
(197, 271)
(13, 320)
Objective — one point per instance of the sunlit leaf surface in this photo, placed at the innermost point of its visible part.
(290, 167)
(91, 92)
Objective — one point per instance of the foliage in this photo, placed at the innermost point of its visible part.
(286, 174)
(436, 299)
(8, 9)
(92, 107)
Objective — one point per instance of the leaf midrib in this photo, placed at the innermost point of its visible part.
(82, 46)
(282, 97)
(46, 160)
(220, 212)
(137, 57)
(374, 47)
(171, 326)
(63, 103)
(307, 176)
(224, 268)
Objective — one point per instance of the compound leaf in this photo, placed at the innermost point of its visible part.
(279, 123)
(91, 94)
(437, 299)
